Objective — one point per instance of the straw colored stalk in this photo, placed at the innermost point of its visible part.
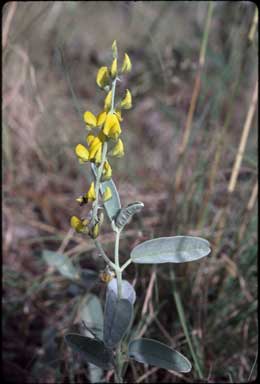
(194, 98)
(222, 134)
(236, 166)
(249, 208)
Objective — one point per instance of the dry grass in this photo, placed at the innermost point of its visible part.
(52, 49)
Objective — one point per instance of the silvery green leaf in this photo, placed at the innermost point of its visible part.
(62, 263)
(90, 311)
(153, 352)
(117, 318)
(128, 291)
(177, 249)
(125, 214)
(113, 205)
(93, 350)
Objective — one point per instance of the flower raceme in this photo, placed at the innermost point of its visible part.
(103, 140)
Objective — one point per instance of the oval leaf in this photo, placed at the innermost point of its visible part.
(117, 318)
(128, 291)
(113, 205)
(62, 263)
(125, 214)
(177, 249)
(91, 313)
(153, 352)
(93, 350)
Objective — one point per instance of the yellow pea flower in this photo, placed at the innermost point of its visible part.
(108, 101)
(78, 224)
(114, 49)
(127, 65)
(126, 103)
(118, 150)
(90, 119)
(118, 114)
(91, 194)
(112, 127)
(103, 77)
(82, 200)
(95, 149)
(82, 153)
(107, 194)
(107, 172)
(95, 231)
(113, 69)
(101, 117)
(89, 139)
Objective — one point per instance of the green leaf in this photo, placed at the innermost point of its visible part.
(117, 318)
(125, 214)
(93, 350)
(62, 263)
(177, 249)
(90, 311)
(128, 291)
(113, 205)
(153, 352)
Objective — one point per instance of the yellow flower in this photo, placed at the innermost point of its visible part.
(113, 69)
(82, 153)
(108, 101)
(107, 171)
(95, 149)
(118, 150)
(126, 103)
(89, 139)
(91, 194)
(127, 65)
(114, 49)
(101, 117)
(90, 119)
(118, 114)
(112, 127)
(78, 224)
(82, 200)
(103, 77)
(107, 194)
(95, 231)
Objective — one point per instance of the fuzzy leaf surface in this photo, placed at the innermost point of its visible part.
(125, 214)
(177, 249)
(117, 318)
(152, 352)
(62, 263)
(93, 350)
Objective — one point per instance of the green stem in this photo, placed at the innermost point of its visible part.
(103, 254)
(125, 265)
(103, 159)
(118, 270)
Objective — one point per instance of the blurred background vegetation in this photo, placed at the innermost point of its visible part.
(194, 117)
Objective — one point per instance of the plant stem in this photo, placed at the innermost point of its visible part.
(129, 261)
(103, 254)
(117, 264)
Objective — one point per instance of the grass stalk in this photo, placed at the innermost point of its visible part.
(174, 188)
(221, 136)
(246, 216)
(236, 167)
(184, 325)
